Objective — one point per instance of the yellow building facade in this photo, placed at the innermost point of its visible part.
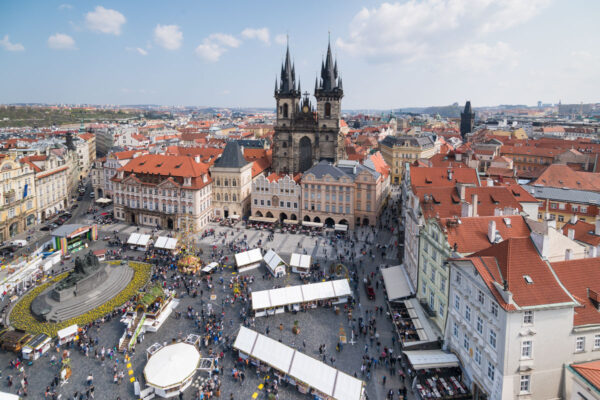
(398, 150)
(17, 197)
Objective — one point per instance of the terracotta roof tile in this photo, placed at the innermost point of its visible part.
(563, 176)
(590, 371)
(438, 176)
(584, 232)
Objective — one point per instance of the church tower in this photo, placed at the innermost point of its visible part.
(286, 93)
(467, 120)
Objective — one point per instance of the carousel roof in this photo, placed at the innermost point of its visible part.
(172, 365)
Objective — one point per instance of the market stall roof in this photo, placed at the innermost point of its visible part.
(340, 227)
(299, 366)
(164, 242)
(210, 267)
(427, 359)
(66, 332)
(300, 294)
(300, 260)
(172, 365)
(8, 396)
(103, 200)
(273, 260)
(312, 224)
(263, 219)
(69, 229)
(396, 283)
(248, 257)
(138, 239)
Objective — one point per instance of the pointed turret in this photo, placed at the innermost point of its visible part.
(287, 85)
(329, 83)
(276, 87)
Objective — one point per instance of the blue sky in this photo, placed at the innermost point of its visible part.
(227, 53)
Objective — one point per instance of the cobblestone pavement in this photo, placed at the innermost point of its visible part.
(319, 326)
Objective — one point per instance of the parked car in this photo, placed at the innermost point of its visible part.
(92, 195)
(45, 228)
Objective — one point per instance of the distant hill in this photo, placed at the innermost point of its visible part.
(46, 116)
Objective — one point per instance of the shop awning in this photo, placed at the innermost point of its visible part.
(340, 227)
(103, 200)
(396, 283)
(263, 220)
(290, 221)
(428, 359)
(312, 224)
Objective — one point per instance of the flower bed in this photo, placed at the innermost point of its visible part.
(21, 317)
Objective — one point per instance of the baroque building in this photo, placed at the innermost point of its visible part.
(303, 135)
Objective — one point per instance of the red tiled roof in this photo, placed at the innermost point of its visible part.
(471, 234)
(584, 232)
(274, 177)
(125, 155)
(578, 276)
(438, 176)
(207, 154)
(380, 164)
(497, 171)
(87, 136)
(563, 176)
(590, 371)
(517, 257)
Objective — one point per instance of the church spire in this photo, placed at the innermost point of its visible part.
(288, 75)
(330, 81)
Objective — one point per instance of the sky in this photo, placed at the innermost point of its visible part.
(227, 53)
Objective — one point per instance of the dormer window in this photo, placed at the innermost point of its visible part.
(187, 181)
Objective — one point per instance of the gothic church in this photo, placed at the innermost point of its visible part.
(303, 135)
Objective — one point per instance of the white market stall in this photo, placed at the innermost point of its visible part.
(297, 368)
(248, 260)
(300, 263)
(9, 396)
(171, 369)
(275, 264)
(36, 347)
(396, 283)
(291, 298)
(208, 269)
(138, 241)
(166, 243)
(67, 334)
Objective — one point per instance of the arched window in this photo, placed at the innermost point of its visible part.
(218, 182)
(233, 197)
(233, 183)
(226, 183)
(226, 197)
(327, 110)
(285, 110)
(218, 197)
(284, 145)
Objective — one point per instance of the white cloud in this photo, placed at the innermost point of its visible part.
(105, 20)
(7, 45)
(261, 34)
(213, 47)
(138, 50)
(281, 39)
(60, 41)
(413, 29)
(168, 36)
(65, 6)
(480, 57)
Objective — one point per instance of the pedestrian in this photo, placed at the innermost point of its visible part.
(383, 380)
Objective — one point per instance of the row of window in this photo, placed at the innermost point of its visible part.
(282, 204)
(328, 208)
(563, 206)
(580, 343)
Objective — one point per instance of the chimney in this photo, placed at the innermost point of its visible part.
(568, 254)
(458, 156)
(571, 234)
(449, 174)
(474, 202)
(574, 218)
(490, 182)
(597, 232)
(492, 231)
(461, 191)
(593, 252)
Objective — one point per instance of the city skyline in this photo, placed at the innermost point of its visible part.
(391, 55)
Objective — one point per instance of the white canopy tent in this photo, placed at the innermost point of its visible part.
(8, 396)
(167, 243)
(138, 240)
(396, 283)
(67, 334)
(275, 264)
(428, 359)
(298, 366)
(248, 260)
(172, 367)
(312, 224)
(103, 200)
(210, 267)
(300, 263)
(340, 227)
(275, 300)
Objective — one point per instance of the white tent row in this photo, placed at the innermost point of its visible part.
(298, 366)
(248, 260)
(396, 283)
(312, 224)
(340, 227)
(300, 263)
(275, 264)
(277, 299)
(138, 239)
(164, 242)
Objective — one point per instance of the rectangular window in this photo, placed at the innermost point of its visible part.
(494, 309)
(492, 338)
(479, 325)
(295, 205)
(478, 355)
(526, 347)
(281, 204)
(583, 209)
(326, 207)
(424, 290)
(525, 383)
(458, 278)
(480, 297)
(455, 329)
(561, 218)
(347, 209)
(596, 342)
(580, 344)
(466, 342)
(468, 313)
(457, 302)
(442, 284)
(441, 309)
(528, 317)
(433, 275)
(491, 371)
(424, 267)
